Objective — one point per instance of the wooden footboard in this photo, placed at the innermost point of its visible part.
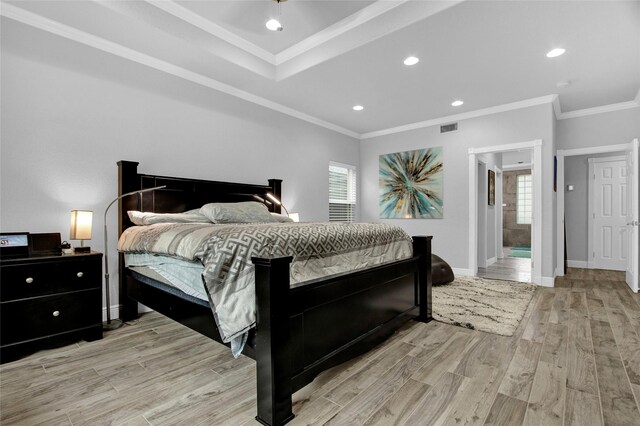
(307, 329)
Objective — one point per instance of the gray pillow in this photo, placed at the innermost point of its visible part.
(149, 218)
(245, 212)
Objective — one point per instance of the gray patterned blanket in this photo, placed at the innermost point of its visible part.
(318, 249)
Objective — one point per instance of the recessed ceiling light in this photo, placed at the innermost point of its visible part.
(273, 25)
(456, 103)
(358, 108)
(555, 52)
(411, 60)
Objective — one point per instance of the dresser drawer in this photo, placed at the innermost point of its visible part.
(78, 275)
(38, 279)
(21, 281)
(47, 315)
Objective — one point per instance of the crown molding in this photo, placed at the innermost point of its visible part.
(213, 29)
(511, 167)
(598, 110)
(28, 18)
(350, 22)
(463, 116)
(635, 103)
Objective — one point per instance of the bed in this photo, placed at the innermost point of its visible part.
(300, 330)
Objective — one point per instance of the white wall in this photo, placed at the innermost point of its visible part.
(576, 204)
(609, 128)
(67, 120)
(612, 128)
(451, 233)
(487, 245)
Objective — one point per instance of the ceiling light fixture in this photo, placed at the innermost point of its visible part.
(456, 103)
(274, 24)
(411, 60)
(555, 52)
(358, 108)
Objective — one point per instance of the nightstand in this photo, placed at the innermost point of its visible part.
(48, 301)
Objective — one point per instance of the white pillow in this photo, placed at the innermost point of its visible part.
(281, 218)
(244, 212)
(149, 218)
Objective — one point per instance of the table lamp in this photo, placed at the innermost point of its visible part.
(81, 229)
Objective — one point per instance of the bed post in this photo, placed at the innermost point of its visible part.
(273, 340)
(128, 181)
(276, 189)
(422, 247)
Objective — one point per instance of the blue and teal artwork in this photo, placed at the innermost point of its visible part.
(411, 184)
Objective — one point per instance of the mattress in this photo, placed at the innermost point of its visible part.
(181, 274)
(216, 258)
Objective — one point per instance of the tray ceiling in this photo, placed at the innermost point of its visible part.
(333, 55)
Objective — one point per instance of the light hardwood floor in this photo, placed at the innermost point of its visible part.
(574, 360)
(508, 268)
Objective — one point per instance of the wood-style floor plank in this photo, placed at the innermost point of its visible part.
(365, 404)
(506, 411)
(582, 409)
(436, 405)
(574, 352)
(581, 369)
(472, 404)
(546, 402)
(400, 406)
(518, 379)
(554, 349)
(619, 406)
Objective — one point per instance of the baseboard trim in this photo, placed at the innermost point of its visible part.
(547, 282)
(115, 312)
(463, 272)
(577, 264)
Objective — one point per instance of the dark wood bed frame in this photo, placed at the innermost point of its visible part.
(301, 330)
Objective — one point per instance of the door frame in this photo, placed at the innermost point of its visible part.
(536, 225)
(481, 254)
(632, 279)
(560, 155)
(499, 212)
(590, 204)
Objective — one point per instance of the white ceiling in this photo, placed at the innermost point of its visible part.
(336, 54)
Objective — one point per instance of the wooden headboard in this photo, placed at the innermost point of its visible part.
(181, 194)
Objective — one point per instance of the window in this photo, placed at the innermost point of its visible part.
(342, 192)
(523, 200)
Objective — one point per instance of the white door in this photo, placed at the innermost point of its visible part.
(609, 205)
(633, 239)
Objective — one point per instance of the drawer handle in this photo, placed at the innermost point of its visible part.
(29, 280)
(79, 274)
(56, 313)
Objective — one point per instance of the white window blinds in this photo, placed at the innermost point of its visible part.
(342, 192)
(523, 200)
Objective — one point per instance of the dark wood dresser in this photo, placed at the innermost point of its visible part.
(48, 301)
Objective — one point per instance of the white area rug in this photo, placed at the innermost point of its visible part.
(494, 306)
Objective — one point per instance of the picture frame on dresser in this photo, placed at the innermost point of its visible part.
(14, 244)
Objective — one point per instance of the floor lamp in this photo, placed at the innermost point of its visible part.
(116, 323)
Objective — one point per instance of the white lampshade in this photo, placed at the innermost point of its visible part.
(81, 221)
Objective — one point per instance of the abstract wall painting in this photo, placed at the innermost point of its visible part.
(411, 184)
